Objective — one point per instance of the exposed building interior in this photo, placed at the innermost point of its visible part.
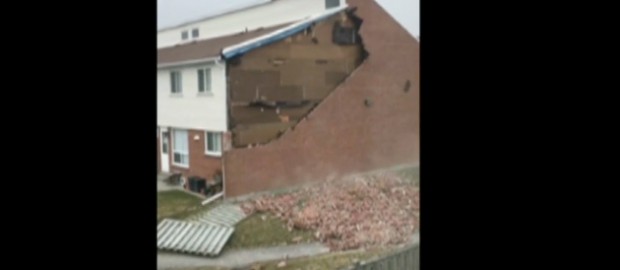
(272, 87)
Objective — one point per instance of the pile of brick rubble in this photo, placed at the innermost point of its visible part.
(362, 212)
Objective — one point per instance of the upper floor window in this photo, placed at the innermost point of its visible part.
(184, 35)
(204, 80)
(331, 3)
(175, 82)
(195, 33)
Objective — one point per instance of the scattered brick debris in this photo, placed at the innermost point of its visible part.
(361, 212)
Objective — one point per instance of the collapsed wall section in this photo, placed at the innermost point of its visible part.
(271, 88)
(370, 121)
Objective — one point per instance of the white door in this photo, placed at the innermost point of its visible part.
(165, 147)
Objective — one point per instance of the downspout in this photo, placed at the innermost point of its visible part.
(222, 194)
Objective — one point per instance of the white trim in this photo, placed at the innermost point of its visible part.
(189, 62)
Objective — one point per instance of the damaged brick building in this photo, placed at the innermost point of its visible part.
(331, 94)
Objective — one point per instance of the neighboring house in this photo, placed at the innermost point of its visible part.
(249, 18)
(284, 104)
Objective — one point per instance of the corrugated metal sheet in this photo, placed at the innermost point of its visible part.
(226, 215)
(192, 237)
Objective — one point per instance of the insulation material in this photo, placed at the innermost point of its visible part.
(301, 51)
(244, 83)
(260, 63)
(335, 77)
(253, 115)
(277, 50)
(281, 93)
(259, 133)
(301, 72)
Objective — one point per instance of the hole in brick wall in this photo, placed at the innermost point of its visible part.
(367, 102)
(407, 86)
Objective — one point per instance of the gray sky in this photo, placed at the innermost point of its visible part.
(173, 12)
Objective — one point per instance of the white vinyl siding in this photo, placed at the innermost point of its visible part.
(180, 148)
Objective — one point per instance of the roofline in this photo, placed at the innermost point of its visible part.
(279, 34)
(214, 16)
(189, 62)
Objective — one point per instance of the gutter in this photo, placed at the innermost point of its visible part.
(190, 62)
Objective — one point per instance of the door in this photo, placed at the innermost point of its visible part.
(165, 147)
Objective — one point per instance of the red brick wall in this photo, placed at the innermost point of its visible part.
(199, 163)
(342, 135)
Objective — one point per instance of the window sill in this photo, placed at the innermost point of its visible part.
(206, 94)
(180, 165)
(176, 95)
(214, 154)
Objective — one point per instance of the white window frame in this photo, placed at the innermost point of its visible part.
(179, 82)
(213, 153)
(175, 151)
(207, 84)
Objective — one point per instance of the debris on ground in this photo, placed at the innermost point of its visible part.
(360, 212)
(281, 264)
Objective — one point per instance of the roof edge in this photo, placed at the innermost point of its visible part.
(188, 62)
(279, 34)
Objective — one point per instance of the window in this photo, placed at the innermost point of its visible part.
(204, 80)
(175, 82)
(195, 33)
(180, 148)
(184, 35)
(332, 3)
(213, 143)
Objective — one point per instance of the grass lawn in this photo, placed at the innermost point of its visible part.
(177, 204)
(256, 232)
(410, 173)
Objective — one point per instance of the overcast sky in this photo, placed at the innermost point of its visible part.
(173, 12)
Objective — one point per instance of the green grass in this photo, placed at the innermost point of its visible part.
(256, 232)
(176, 204)
(411, 174)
